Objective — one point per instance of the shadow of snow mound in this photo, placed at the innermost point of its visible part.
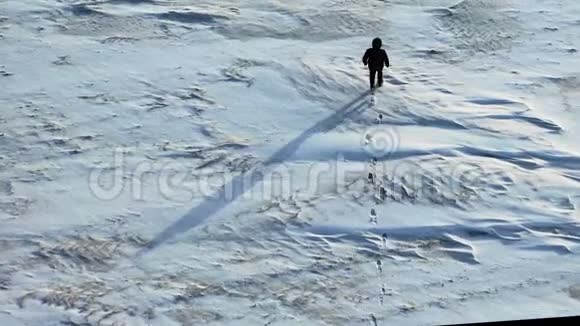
(456, 241)
(397, 245)
(133, 2)
(529, 160)
(188, 17)
(84, 10)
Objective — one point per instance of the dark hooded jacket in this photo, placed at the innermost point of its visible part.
(375, 57)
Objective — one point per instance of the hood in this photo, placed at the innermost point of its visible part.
(377, 43)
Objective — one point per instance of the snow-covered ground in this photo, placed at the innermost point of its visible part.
(180, 162)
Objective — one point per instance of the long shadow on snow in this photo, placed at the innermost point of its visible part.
(230, 191)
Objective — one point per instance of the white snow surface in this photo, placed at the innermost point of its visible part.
(180, 162)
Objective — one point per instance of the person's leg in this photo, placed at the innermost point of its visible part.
(372, 77)
(380, 77)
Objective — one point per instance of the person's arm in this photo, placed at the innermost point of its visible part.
(387, 63)
(365, 58)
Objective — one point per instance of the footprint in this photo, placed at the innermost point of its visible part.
(62, 61)
(371, 178)
(373, 218)
(384, 238)
(373, 320)
(382, 193)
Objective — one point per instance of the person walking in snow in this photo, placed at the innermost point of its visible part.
(376, 59)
